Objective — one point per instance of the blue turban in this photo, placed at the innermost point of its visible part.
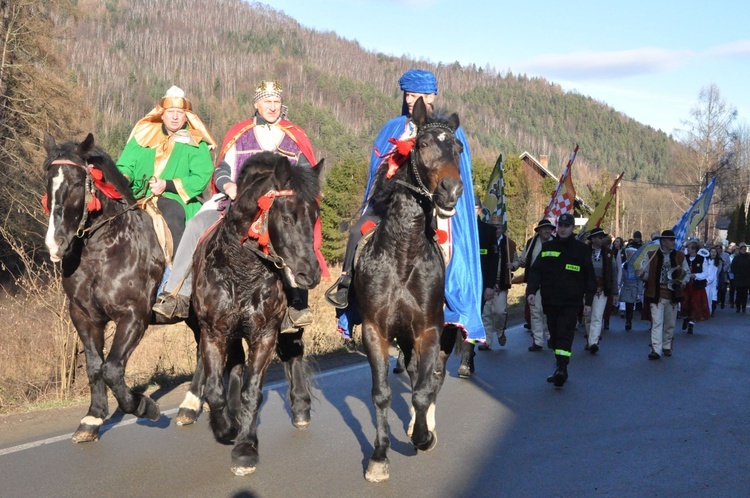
(418, 81)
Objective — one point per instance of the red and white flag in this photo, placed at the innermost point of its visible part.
(565, 194)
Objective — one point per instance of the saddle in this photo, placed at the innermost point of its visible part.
(163, 233)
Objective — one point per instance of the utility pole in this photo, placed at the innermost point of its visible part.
(617, 209)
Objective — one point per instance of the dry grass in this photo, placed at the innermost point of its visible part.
(32, 349)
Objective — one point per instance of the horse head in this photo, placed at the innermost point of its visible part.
(72, 192)
(436, 157)
(281, 200)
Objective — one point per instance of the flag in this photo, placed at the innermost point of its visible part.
(494, 200)
(565, 194)
(694, 215)
(600, 212)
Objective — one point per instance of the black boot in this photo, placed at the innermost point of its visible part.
(338, 294)
(467, 360)
(628, 319)
(560, 375)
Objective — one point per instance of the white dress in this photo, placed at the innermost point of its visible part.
(712, 281)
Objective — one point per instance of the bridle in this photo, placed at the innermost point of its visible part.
(259, 229)
(420, 189)
(91, 203)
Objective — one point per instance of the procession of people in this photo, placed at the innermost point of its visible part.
(569, 283)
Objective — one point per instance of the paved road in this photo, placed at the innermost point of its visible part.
(622, 426)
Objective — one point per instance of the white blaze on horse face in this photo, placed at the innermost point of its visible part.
(49, 239)
(442, 137)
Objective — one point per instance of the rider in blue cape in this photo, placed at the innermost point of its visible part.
(463, 292)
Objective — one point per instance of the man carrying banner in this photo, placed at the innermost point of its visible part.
(565, 276)
(666, 272)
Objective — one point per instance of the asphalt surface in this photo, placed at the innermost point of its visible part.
(622, 426)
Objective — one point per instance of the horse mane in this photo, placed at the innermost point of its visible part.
(96, 155)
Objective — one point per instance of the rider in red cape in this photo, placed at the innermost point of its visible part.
(268, 130)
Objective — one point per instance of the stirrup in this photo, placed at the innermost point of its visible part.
(337, 295)
(296, 320)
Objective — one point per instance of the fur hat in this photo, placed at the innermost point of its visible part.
(703, 252)
(496, 219)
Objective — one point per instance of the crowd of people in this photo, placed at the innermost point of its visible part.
(568, 281)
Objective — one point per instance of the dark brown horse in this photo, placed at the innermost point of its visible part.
(399, 279)
(264, 241)
(111, 264)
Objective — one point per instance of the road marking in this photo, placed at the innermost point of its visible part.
(132, 420)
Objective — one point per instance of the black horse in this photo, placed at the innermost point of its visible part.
(399, 279)
(111, 265)
(264, 241)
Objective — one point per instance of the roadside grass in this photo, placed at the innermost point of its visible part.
(43, 365)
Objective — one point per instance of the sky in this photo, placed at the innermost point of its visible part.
(646, 59)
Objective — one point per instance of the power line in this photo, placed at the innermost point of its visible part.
(652, 184)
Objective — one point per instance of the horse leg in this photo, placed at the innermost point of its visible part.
(191, 404)
(92, 337)
(213, 350)
(376, 348)
(428, 378)
(130, 330)
(291, 349)
(245, 452)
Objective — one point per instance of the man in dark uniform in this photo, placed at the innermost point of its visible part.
(565, 275)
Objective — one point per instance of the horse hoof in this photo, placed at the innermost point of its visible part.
(430, 444)
(301, 421)
(242, 471)
(86, 433)
(377, 471)
(152, 410)
(185, 416)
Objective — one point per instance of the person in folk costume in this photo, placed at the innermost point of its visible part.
(605, 272)
(695, 305)
(463, 275)
(167, 155)
(531, 251)
(666, 272)
(565, 275)
(631, 288)
(267, 130)
(495, 295)
(715, 267)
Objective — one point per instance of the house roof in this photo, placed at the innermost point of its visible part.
(546, 172)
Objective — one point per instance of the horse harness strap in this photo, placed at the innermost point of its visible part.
(259, 228)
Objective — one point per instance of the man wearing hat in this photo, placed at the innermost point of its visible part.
(564, 273)
(167, 155)
(267, 130)
(605, 271)
(539, 329)
(741, 271)
(666, 272)
(495, 296)
(463, 284)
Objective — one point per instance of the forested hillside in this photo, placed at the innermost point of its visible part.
(123, 54)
